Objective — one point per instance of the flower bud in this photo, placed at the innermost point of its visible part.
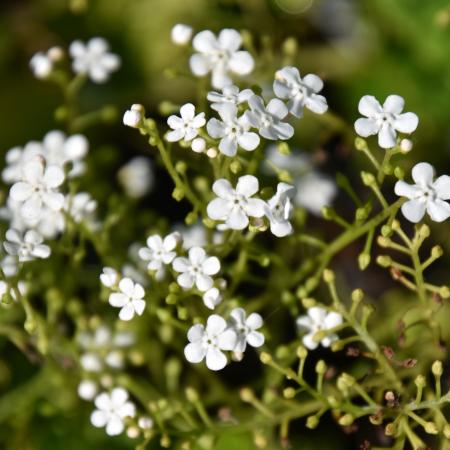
(321, 367)
(191, 218)
(290, 46)
(364, 260)
(133, 117)
(444, 292)
(235, 167)
(312, 422)
(178, 194)
(430, 428)
(328, 276)
(265, 357)
(406, 145)
(165, 441)
(399, 173)
(368, 178)
(437, 252)
(360, 144)
(302, 353)
(198, 145)
(191, 394)
(246, 395)
(420, 381)
(357, 295)
(181, 167)
(346, 420)
(384, 260)
(437, 369)
(390, 429)
(181, 34)
(283, 148)
(289, 392)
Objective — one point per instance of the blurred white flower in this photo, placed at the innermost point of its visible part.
(130, 299)
(38, 187)
(209, 342)
(220, 56)
(94, 59)
(80, 206)
(181, 34)
(42, 63)
(230, 95)
(279, 209)
(318, 319)
(268, 119)
(185, 127)
(197, 269)
(145, 423)
(137, 177)
(212, 297)
(160, 251)
(26, 246)
(87, 389)
(300, 92)
(426, 194)
(314, 191)
(245, 328)
(133, 116)
(232, 130)
(110, 277)
(235, 206)
(384, 120)
(112, 409)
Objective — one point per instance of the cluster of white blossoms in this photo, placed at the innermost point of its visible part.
(209, 342)
(91, 59)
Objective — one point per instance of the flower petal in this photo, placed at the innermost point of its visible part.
(211, 265)
(241, 63)
(369, 106)
(194, 352)
(423, 174)
(215, 359)
(215, 325)
(442, 187)
(387, 137)
(255, 339)
(438, 210)
(219, 209)
(403, 189)
(406, 123)
(222, 188)
(394, 104)
(127, 312)
(414, 210)
(247, 185)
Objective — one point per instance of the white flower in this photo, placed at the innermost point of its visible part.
(145, 423)
(137, 177)
(94, 59)
(11, 290)
(37, 188)
(8, 265)
(235, 206)
(318, 319)
(426, 195)
(245, 328)
(81, 206)
(268, 119)
(26, 247)
(112, 409)
(16, 157)
(220, 56)
(209, 342)
(181, 34)
(232, 131)
(133, 116)
(42, 63)
(279, 209)
(384, 120)
(185, 127)
(212, 297)
(314, 191)
(197, 269)
(129, 299)
(159, 251)
(301, 92)
(230, 95)
(109, 277)
(87, 389)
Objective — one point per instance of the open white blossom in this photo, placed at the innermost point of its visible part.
(159, 251)
(279, 209)
(212, 297)
(137, 177)
(235, 206)
(26, 246)
(384, 120)
(130, 299)
(300, 92)
(112, 410)
(185, 127)
(230, 95)
(318, 319)
(220, 56)
(38, 188)
(426, 195)
(268, 119)
(232, 131)
(245, 328)
(209, 342)
(94, 59)
(196, 269)
(314, 191)
(181, 34)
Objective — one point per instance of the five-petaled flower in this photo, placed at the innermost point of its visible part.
(268, 119)
(235, 206)
(208, 342)
(245, 328)
(38, 187)
(94, 59)
(185, 127)
(220, 55)
(232, 130)
(130, 299)
(318, 319)
(197, 269)
(384, 120)
(26, 246)
(112, 410)
(279, 209)
(426, 195)
(230, 95)
(300, 92)
(159, 251)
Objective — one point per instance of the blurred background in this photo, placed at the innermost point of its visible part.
(358, 47)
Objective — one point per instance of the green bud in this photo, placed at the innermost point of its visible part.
(360, 144)
(337, 346)
(181, 167)
(446, 431)
(109, 114)
(265, 357)
(444, 292)
(302, 353)
(285, 176)
(166, 108)
(264, 261)
(399, 173)
(165, 441)
(30, 325)
(346, 420)
(61, 114)
(390, 429)
(361, 214)
(312, 422)
(289, 392)
(209, 223)
(328, 213)
(357, 295)
(388, 169)
(368, 178)
(333, 401)
(420, 381)
(431, 428)
(178, 194)
(321, 367)
(386, 231)
(437, 369)
(182, 313)
(308, 302)
(424, 231)
(191, 394)
(376, 419)
(384, 260)
(282, 352)
(174, 288)
(364, 260)
(171, 299)
(383, 241)
(290, 46)
(283, 148)
(201, 184)
(191, 218)
(246, 395)
(437, 252)
(328, 276)
(235, 167)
